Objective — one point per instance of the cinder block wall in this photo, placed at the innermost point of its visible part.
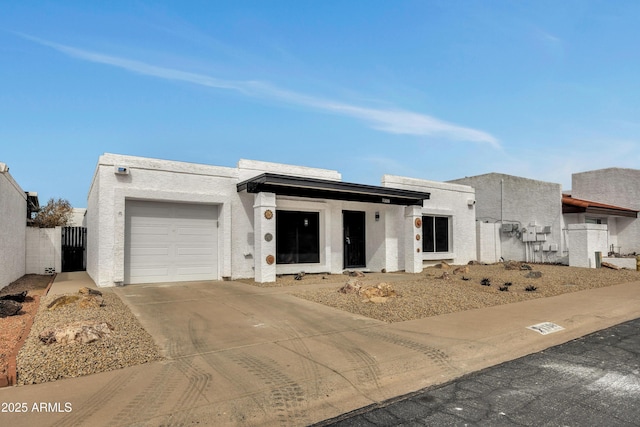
(13, 224)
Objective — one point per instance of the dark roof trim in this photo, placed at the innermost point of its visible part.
(333, 190)
(571, 205)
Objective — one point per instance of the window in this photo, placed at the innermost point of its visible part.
(435, 233)
(595, 221)
(297, 237)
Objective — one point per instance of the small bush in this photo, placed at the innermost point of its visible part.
(530, 288)
(503, 288)
(485, 282)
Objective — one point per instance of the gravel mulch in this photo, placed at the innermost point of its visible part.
(427, 294)
(129, 344)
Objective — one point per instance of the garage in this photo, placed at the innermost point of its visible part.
(170, 242)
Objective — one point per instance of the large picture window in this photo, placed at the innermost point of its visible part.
(297, 237)
(435, 233)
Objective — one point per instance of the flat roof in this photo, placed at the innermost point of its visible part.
(334, 190)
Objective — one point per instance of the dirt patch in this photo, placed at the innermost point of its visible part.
(13, 329)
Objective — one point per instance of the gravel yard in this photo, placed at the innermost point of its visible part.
(418, 295)
(128, 344)
(427, 294)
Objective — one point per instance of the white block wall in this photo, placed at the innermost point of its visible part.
(13, 220)
(585, 241)
(509, 199)
(488, 241)
(43, 250)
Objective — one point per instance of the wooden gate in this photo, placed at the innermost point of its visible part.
(74, 249)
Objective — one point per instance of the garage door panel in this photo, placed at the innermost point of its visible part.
(170, 242)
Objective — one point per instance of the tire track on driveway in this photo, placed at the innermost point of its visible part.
(97, 401)
(437, 356)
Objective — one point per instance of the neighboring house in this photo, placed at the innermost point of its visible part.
(77, 218)
(528, 220)
(517, 218)
(151, 220)
(608, 196)
(13, 225)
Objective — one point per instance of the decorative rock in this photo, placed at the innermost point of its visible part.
(533, 275)
(512, 265)
(77, 332)
(352, 286)
(381, 290)
(445, 276)
(9, 308)
(19, 297)
(89, 291)
(526, 267)
(299, 276)
(83, 300)
(609, 265)
(63, 300)
(93, 301)
(444, 265)
(462, 269)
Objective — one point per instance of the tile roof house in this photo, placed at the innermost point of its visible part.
(530, 220)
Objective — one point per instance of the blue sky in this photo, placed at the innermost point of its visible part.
(429, 89)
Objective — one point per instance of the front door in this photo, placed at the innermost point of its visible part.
(354, 241)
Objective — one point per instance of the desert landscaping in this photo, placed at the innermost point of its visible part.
(389, 297)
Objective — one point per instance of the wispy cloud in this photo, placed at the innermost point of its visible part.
(395, 121)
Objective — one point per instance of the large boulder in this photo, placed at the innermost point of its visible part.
(82, 332)
(9, 308)
(19, 297)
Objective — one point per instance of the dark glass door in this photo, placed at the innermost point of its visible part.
(354, 239)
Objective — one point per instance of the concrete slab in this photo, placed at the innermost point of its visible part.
(244, 355)
(69, 283)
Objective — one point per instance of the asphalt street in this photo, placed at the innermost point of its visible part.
(591, 381)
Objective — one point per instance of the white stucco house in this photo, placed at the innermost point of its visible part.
(608, 197)
(151, 220)
(13, 225)
(518, 218)
(530, 220)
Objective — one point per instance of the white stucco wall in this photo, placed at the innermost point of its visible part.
(43, 250)
(452, 200)
(242, 248)
(77, 218)
(153, 180)
(618, 187)
(488, 241)
(586, 240)
(13, 220)
(514, 200)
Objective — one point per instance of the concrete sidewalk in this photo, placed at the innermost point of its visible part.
(243, 355)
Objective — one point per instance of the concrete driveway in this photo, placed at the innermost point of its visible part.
(243, 355)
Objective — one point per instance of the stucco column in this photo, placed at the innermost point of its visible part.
(264, 228)
(413, 239)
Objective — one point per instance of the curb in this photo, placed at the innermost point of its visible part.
(10, 379)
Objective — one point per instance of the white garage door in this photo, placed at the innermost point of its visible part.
(170, 242)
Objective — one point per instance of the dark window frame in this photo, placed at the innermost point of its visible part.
(436, 234)
(297, 237)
